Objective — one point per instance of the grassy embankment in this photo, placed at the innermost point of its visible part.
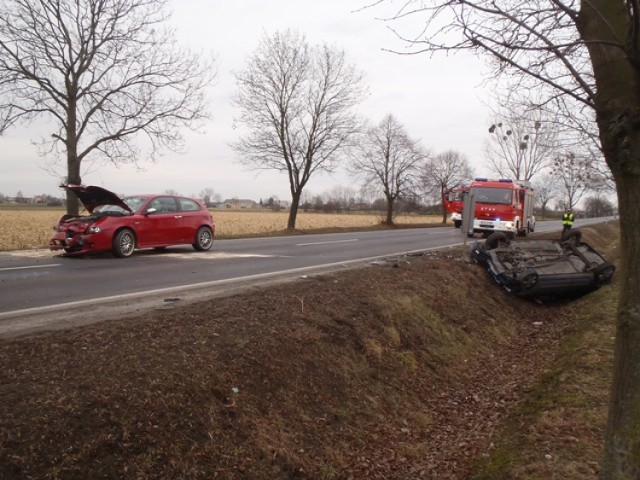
(557, 432)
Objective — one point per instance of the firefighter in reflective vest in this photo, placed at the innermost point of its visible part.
(567, 220)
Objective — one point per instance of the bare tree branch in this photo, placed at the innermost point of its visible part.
(104, 71)
(446, 170)
(297, 102)
(521, 144)
(386, 158)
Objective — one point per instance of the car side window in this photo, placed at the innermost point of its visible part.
(188, 205)
(164, 204)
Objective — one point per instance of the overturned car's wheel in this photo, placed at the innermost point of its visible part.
(526, 281)
(124, 243)
(572, 235)
(603, 273)
(495, 240)
(204, 239)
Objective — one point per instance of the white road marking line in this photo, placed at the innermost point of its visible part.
(210, 255)
(212, 283)
(32, 266)
(326, 243)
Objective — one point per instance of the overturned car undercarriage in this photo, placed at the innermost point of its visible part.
(543, 268)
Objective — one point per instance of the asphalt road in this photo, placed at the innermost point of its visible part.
(40, 290)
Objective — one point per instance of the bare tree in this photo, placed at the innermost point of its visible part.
(571, 125)
(547, 188)
(388, 158)
(101, 71)
(342, 196)
(209, 196)
(586, 52)
(297, 101)
(446, 170)
(574, 178)
(520, 146)
(598, 206)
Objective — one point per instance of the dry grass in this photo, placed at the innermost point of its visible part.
(377, 377)
(26, 229)
(361, 384)
(31, 228)
(557, 432)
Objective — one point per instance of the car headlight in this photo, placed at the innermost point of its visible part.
(94, 230)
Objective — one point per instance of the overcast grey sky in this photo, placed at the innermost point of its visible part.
(439, 100)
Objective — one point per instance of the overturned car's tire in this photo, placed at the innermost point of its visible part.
(603, 273)
(572, 235)
(495, 240)
(526, 281)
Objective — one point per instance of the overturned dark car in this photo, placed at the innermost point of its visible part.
(543, 268)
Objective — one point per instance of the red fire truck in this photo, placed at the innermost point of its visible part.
(503, 205)
(452, 199)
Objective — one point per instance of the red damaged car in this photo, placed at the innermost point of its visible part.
(121, 225)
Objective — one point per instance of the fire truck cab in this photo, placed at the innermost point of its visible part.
(453, 199)
(503, 205)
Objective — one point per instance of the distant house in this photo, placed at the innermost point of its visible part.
(239, 204)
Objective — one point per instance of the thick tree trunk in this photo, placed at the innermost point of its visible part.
(389, 220)
(293, 212)
(73, 178)
(602, 24)
(622, 444)
(73, 162)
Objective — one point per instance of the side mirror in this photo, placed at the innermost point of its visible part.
(150, 210)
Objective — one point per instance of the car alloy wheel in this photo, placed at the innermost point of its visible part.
(204, 239)
(124, 244)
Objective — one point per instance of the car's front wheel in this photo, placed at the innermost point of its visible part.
(603, 273)
(496, 240)
(124, 243)
(204, 239)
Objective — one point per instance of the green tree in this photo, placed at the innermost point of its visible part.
(585, 53)
(101, 72)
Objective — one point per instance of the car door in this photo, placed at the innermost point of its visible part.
(191, 219)
(160, 223)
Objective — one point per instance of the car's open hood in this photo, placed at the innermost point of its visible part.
(93, 197)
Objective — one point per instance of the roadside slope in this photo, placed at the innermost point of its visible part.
(411, 369)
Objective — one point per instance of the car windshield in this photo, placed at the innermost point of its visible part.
(134, 203)
(493, 195)
(111, 209)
